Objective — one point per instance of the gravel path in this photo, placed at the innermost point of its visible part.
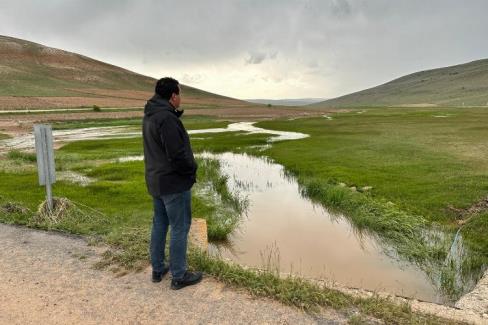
(48, 278)
(477, 300)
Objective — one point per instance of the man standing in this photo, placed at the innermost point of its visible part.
(170, 171)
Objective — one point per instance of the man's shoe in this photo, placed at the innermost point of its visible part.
(188, 279)
(158, 276)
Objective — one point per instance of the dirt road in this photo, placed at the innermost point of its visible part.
(48, 278)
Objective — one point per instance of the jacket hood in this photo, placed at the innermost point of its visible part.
(156, 104)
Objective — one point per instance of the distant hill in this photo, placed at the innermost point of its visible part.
(33, 75)
(454, 86)
(286, 102)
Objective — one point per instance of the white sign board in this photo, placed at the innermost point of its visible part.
(45, 159)
(45, 154)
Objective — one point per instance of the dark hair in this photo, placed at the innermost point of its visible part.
(165, 87)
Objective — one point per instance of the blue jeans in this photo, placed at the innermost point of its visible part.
(171, 211)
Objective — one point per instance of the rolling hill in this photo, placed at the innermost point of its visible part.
(454, 86)
(34, 76)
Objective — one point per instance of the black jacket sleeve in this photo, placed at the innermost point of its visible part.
(177, 146)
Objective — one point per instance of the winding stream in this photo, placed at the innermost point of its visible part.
(286, 230)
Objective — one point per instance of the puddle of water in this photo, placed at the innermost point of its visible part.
(27, 142)
(250, 128)
(130, 158)
(306, 238)
(74, 177)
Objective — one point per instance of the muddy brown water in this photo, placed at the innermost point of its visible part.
(284, 230)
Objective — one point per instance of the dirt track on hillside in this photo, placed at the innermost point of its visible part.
(11, 102)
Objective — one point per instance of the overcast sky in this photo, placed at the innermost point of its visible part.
(260, 49)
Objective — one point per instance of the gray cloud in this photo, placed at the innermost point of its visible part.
(327, 47)
(256, 58)
(341, 8)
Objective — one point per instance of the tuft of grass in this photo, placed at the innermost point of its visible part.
(292, 291)
(384, 219)
(129, 249)
(404, 236)
(21, 156)
(356, 320)
(226, 208)
(69, 216)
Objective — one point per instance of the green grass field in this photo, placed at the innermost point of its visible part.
(420, 167)
(193, 122)
(420, 162)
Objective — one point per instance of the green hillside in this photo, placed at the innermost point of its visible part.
(454, 86)
(31, 69)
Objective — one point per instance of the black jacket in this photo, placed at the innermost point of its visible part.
(169, 163)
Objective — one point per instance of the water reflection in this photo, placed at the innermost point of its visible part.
(282, 226)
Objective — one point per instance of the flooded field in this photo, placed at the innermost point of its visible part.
(286, 230)
(26, 142)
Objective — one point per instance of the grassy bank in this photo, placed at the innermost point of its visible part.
(309, 296)
(118, 193)
(223, 209)
(422, 168)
